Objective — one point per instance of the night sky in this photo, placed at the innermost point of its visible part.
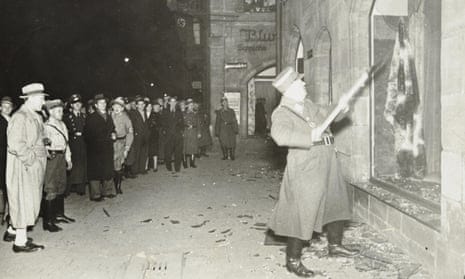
(79, 46)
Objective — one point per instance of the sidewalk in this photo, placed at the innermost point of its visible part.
(204, 223)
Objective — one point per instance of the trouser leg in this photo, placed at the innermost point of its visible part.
(192, 161)
(95, 189)
(108, 188)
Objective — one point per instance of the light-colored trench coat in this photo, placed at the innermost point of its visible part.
(26, 162)
(313, 192)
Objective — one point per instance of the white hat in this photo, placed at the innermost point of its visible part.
(33, 89)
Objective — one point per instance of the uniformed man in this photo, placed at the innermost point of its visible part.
(99, 135)
(226, 129)
(25, 168)
(58, 161)
(75, 121)
(124, 137)
(313, 192)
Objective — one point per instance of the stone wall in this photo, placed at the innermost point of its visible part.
(238, 37)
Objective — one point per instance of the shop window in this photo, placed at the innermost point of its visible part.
(405, 98)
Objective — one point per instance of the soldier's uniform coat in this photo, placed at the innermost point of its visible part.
(138, 154)
(26, 162)
(313, 192)
(226, 127)
(191, 133)
(124, 137)
(75, 125)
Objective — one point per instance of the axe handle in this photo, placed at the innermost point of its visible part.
(359, 84)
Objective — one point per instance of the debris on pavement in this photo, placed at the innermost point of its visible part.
(146, 221)
(106, 212)
(201, 224)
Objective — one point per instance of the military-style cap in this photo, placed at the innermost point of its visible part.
(285, 79)
(53, 104)
(75, 98)
(6, 99)
(189, 100)
(118, 100)
(33, 89)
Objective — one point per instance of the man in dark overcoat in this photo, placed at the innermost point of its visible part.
(75, 121)
(313, 192)
(6, 105)
(226, 129)
(172, 129)
(138, 154)
(99, 134)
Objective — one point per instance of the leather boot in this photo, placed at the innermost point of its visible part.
(115, 180)
(225, 153)
(293, 262)
(335, 231)
(184, 161)
(60, 211)
(232, 153)
(120, 180)
(48, 218)
(192, 161)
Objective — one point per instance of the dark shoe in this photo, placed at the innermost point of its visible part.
(99, 199)
(10, 237)
(29, 247)
(295, 266)
(111, 196)
(192, 161)
(48, 220)
(231, 154)
(60, 216)
(65, 218)
(339, 250)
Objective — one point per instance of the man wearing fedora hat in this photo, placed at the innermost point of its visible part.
(138, 155)
(75, 121)
(58, 161)
(99, 135)
(25, 169)
(6, 106)
(124, 137)
(313, 192)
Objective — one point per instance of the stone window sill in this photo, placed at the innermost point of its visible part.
(425, 213)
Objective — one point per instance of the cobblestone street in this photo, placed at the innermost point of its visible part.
(207, 222)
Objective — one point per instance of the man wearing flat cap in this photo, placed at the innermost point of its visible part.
(313, 192)
(25, 169)
(58, 161)
(99, 135)
(6, 105)
(75, 122)
(124, 138)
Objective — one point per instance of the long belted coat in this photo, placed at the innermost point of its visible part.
(77, 144)
(99, 143)
(26, 162)
(313, 191)
(226, 127)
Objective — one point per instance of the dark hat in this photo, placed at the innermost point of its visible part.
(139, 98)
(118, 100)
(33, 89)
(6, 99)
(53, 104)
(99, 97)
(75, 98)
(285, 79)
(126, 100)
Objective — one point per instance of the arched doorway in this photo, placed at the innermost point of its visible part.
(262, 99)
(320, 84)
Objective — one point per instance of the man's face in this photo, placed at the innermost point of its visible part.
(140, 105)
(117, 108)
(156, 108)
(101, 105)
(224, 103)
(36, 102)
(172, 102)
(297, 91)
(6, 108)
(133, 105)
(57, 113)
(76, 106)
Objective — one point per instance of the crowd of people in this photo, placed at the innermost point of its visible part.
(51, 148)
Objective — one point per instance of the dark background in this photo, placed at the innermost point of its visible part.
(79, 46)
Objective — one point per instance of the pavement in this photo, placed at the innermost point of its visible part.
(207, 222)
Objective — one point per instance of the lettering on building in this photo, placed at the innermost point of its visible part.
(253, 39)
